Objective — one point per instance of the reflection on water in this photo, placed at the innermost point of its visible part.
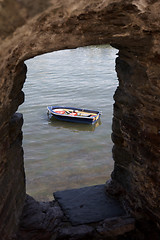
(60, 155)
(73, 126)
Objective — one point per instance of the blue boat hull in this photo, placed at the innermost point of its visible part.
(76, 119)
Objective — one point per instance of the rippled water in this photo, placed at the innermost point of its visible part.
(60, 155)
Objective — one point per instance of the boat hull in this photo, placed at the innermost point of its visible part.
(59, 115)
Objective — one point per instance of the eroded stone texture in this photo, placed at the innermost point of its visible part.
(113, 227)
(39, 220)
(29, 28)
(46, 221)
(136, 132)
(12, 192)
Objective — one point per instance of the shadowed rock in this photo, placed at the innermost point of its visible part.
(112, 227)
(39, 220)
(88, 204)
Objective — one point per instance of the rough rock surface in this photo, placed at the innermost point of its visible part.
(46, 221)
(11, 174)
(116, 226)
(29, 28)
(39, 219)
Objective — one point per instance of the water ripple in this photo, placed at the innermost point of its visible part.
(62, 155)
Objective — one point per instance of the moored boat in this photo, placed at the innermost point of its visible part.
(71, 114)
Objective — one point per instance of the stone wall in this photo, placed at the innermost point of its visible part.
(28, 29)
(12, 184)
(136, 135)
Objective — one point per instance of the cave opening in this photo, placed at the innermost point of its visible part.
(128, 27)
(61, 155)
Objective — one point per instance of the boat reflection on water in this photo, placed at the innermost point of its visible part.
(73, 126)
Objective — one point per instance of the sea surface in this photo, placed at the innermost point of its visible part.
(61, 155)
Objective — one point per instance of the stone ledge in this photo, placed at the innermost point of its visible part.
(47, 221)
(88, 204)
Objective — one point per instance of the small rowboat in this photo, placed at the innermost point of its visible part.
(71, 114)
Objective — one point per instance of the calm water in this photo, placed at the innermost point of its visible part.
(61, 155)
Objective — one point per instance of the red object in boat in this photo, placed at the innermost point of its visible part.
(60, 112)
(73, 114)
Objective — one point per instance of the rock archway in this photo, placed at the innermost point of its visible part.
(29, 29)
